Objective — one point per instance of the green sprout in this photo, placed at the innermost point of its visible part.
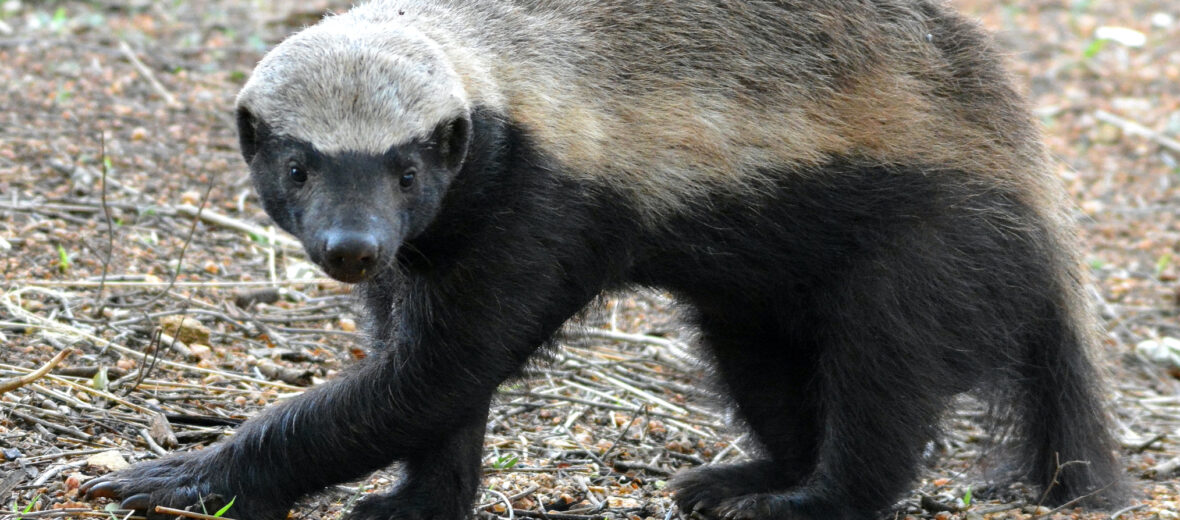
(1094, 48)
(58, 22)
(1163, 263)
(63, 259)
(225, 508)
(100, 379)
(25, 511)
(505, 461)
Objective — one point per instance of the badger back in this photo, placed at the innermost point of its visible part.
(669, 101)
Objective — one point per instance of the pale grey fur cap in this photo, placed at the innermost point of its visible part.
(354, 87)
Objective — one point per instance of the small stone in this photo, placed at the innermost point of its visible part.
(622, 502)
(200, 351)
(1108, 134)
(190, 197)
(1123, 35)
(110, 460)
(211, 267)
(73, 481)
(185, 329)
(1036, 510)
(1093, 207)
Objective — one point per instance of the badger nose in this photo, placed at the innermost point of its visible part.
(349, 256)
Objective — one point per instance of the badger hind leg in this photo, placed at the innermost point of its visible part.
(770, 380)
(437, 483)
(712, 488)
(841, 401)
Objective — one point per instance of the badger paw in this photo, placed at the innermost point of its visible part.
(796, 505)
(407, 504)
(707, 487)
(191, 481)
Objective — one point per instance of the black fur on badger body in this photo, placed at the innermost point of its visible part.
(849, 195)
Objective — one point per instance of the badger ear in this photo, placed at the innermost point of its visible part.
(453, 138)
(249, 134)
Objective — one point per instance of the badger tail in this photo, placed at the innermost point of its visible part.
(1065, 440)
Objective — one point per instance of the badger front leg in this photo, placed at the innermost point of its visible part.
(422, 400)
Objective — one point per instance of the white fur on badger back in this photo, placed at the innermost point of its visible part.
(356, 81)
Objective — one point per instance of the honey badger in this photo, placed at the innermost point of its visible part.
(849, 196)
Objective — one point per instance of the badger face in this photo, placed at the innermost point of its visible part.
(352, 141)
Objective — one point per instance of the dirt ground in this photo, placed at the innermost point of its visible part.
(115, 127)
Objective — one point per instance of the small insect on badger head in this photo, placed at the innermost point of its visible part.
(352, 137)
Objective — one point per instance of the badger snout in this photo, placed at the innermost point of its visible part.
(348, 255)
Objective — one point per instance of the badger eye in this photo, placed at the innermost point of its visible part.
(298, 174)
(407, 178)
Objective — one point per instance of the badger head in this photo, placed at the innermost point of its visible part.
(353, 135)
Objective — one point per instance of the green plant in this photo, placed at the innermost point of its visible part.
(63, 259)
(219, 512)
(261, 240)
(20, 514)
(360, 490)
(100, 379)
(1163, 263)
(225, 508)
(150, 239)
(1096, 45)
(506, 461)
(58, 22)
(63, 95)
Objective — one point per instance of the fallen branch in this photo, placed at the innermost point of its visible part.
(515, 497)
(148, 75)
(643, 394)
(86, 284)
(608, 406)
(504, 498)
(1164, 470)
(188, 514)
(677, 351)
(11, 301)
(1125, 510)
(17, 382)
(1134, 128)
(235, 224)
(208, 215)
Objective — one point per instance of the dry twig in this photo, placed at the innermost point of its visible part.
(17, 382)
(1134, 128)
(188, 514)
(237, 225)
(148, 75)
